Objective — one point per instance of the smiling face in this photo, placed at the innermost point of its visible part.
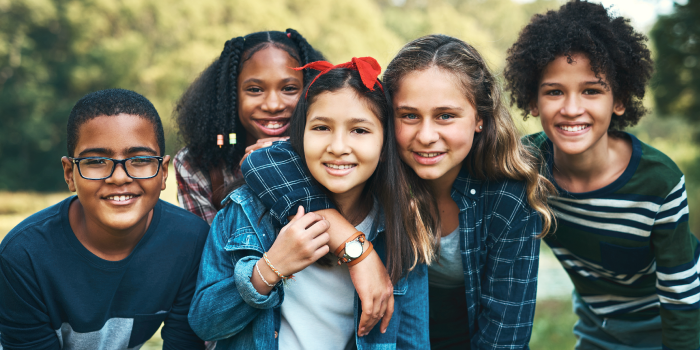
(268, 91)
(435, 123)
(118, 203)
(575, 108)
(342, 141)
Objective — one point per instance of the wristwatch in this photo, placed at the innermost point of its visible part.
(353, 250)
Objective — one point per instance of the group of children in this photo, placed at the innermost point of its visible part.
(344, 211)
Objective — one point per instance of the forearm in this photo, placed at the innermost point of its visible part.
(340, 229)
(224, 308)
(680, 329)
(260, 271)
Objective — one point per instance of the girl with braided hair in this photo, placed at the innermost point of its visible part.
(244, 98)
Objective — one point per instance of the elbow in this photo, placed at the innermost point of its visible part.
(212, 320)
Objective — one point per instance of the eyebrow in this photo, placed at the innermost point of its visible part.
(592, 82)
(351, 121)
(141, 149)
(441, 108)
(96, 150)
(110, 152)
(260, 82)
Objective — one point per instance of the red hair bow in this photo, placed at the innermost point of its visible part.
(368, 68)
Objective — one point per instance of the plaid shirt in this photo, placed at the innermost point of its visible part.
(497, 227)
(194, 187)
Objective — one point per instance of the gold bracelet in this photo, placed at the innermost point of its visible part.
(279, 274)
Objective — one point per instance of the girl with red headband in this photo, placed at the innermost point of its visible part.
(261, 290)
(455, 133)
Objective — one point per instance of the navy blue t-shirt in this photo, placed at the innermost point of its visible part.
(54, 293)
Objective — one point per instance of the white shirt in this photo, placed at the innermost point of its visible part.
(318, 308)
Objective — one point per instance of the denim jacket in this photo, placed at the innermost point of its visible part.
(497, 229)
(227, 308)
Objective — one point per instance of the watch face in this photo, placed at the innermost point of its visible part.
(353, 249)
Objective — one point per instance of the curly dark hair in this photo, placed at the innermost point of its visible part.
(610, 43)
(209, 105)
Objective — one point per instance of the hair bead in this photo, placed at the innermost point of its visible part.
(219, 140)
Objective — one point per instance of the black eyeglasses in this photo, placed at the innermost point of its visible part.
(100, 168)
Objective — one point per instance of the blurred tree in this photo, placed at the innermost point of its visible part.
(52, 52)
(676, 82)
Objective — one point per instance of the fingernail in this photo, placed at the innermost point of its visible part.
(267, 144)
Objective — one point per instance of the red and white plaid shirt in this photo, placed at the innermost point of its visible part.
(194, 187)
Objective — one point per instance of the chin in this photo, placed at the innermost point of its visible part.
(429, 174)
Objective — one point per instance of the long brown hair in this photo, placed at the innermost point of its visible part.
(497, 151)
(408, 240)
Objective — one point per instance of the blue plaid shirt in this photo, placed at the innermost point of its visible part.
(497, 228)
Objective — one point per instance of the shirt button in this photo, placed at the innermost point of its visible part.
(473, 191)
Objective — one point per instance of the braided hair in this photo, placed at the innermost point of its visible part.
(209, 106)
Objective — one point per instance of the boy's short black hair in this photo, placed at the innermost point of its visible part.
(111, 102)
(610, 43)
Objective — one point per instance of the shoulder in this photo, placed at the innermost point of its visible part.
(183, 165)
(657, 170)
(241, 202)
(537, 140)
(34, 233)
(182, 224)
(281, 152)
(506, 194)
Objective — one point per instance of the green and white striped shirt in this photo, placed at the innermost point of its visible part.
(627, 246)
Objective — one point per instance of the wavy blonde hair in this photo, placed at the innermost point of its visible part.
(497, 152)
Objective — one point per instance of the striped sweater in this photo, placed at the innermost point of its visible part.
(627, 246)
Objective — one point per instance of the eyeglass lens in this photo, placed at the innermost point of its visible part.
(136, 167)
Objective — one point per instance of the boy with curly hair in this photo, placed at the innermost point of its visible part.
(622, 209)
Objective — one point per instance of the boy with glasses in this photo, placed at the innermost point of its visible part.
(104, 269)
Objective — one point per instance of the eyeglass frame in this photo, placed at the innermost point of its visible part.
(115, 162)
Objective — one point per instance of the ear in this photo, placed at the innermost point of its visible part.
(534, 111)
(68, 172)
(479, 125)
(164, 169)
(619, 108)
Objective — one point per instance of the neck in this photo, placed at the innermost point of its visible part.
(105, 242)
(350, 204)
(584, 167)
(441, 188)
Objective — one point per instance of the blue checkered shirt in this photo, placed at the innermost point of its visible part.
(497, 228)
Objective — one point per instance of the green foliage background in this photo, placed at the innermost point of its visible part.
(53, 52)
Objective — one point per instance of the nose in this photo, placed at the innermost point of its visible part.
(119, 176)
(273, 103)
(428, 132)
(339, 145)
(572, 106)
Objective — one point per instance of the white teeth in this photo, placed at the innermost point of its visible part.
(120, 198)
(428, 155)
(572, 127)
(340, 167)
(274, 125)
